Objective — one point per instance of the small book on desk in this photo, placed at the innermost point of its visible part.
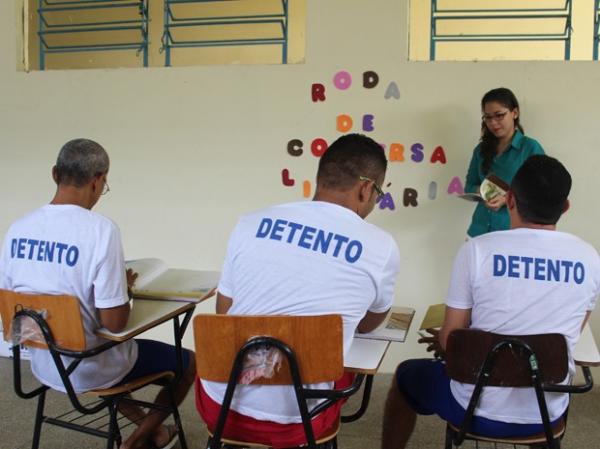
(491, 187)
(157, 281)
(394, 328)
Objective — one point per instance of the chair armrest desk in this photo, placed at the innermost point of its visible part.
(586, 351)
(364, 357)
(148, 313)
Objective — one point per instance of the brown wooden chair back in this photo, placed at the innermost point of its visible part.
(316, 341)
(467, 349)
(63, 317)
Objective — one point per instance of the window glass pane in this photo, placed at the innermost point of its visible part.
(67, 34)
(465, 30)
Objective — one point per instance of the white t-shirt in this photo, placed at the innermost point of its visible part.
(523, 282)
(66, 249)
(304, 258)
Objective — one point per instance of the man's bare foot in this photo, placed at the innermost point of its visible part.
(165, 436)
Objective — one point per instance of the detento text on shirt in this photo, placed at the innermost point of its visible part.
(538, 268)
(310, 238)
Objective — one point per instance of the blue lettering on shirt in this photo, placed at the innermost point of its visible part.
(538, 268)
(567, 264)
(499, 265)
(553, 270)
(264, 228)
(527, 261)
(356, 247)
(512, 266)
(278, 228)
(310, 238)
(308, 233)
(43, 251)
(293, 228)
(49, 255)
(322, 241)
(61, 247)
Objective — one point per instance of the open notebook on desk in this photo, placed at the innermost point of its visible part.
(157, 280)
(394, 328)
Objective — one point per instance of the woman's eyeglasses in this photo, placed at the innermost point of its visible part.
(496, 117)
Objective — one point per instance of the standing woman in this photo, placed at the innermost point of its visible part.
(502, 150)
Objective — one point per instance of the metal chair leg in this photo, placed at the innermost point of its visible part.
(177, 419)
(449, 437)
(39, 419)
(114, 435)
(211, 445)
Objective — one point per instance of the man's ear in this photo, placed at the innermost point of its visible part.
(364, 191)
(54, 174)
(510, 200)
(95, 183)
(566, 206)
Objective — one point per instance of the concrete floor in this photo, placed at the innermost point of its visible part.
(16, 422)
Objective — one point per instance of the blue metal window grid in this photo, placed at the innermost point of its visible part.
(565, 13)
(47, 29)
(171, 22)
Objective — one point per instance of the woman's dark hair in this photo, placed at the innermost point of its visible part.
(489, 142)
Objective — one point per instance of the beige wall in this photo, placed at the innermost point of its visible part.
(193, 148)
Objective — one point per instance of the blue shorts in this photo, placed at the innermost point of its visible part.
(426, 386)
(155, 357)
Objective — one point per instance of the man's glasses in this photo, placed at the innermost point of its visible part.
(496, 117)
(105, 189)
(377, 188)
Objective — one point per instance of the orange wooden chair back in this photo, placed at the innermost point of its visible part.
(316, 341)
(63, 317)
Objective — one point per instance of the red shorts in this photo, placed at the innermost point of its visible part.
(244, 428)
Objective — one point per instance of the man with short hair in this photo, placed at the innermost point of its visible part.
(307, 258)
(531, 279)
(65, 248)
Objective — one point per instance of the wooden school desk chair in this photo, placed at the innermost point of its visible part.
(312, 349)
(63, 335)
(487, 359)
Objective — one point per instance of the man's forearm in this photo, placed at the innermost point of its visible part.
(370, 321)
(115, 318)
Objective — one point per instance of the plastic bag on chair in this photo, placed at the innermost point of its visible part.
(24, 329)
(261, 362)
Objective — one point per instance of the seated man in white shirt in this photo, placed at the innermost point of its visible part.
(65, 248)
(531, 279)
(307, 258)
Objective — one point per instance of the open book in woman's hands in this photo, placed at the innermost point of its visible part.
(491, 187)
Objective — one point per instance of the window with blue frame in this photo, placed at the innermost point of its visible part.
(62, 34)
(470, 30)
